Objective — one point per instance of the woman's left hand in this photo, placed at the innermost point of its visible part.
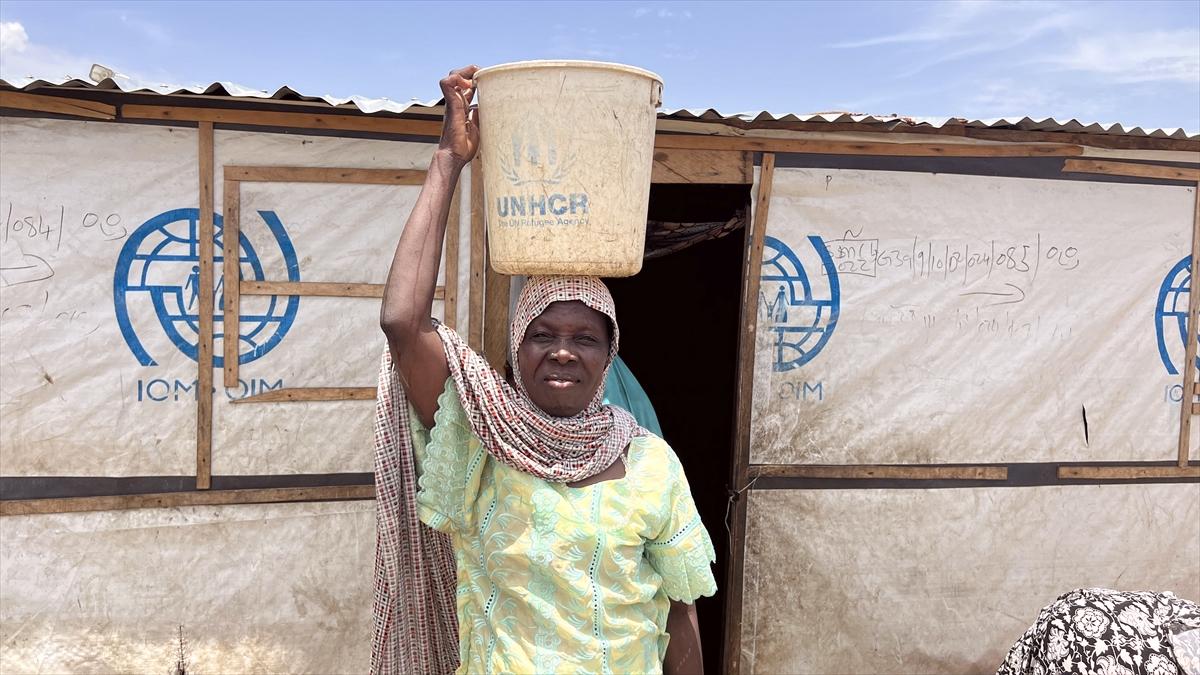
(460, 123)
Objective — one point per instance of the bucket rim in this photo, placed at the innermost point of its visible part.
(567, 63)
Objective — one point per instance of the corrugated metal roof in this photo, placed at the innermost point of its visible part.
(220, 90)
(374, 105)
(899, 122)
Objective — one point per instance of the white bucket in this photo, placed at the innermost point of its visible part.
(567, 148)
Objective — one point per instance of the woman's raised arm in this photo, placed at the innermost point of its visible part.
(408, 295)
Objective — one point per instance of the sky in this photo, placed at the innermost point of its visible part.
(1137, 63)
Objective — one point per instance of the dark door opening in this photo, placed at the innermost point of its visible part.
(679, 331)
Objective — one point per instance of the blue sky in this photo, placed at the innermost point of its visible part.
(1137, 63)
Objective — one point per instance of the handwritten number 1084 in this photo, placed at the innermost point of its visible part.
(35, 226)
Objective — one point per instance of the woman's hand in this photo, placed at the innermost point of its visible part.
(460, 127)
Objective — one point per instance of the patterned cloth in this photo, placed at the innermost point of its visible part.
(1096, 630)
(415, 622)
(560, 579)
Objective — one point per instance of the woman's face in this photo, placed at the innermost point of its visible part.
(562, 357)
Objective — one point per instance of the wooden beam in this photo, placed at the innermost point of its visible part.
(1127, 472)
(58, 105)
(1111, 141)
(868, 471)
(897, 126)
(478, 261)
(231, 284)
(308, 394)
(205, 232)
(450, 254)
(1196, 408)
(692, 142)
(1187, 403)
(309, 174)
(24, 507)
(1131, 169)
(739, 463)
(297, 120)
(315, 288)
(702, 166)
(321, 288)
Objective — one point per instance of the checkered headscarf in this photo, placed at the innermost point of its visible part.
(416, 628)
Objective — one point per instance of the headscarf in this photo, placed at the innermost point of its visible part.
(416, 627)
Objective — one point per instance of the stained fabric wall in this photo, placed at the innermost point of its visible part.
(100, 298)
(908, 317)
(945, 581)
(256, 588)
(98, 334)
(921, 318)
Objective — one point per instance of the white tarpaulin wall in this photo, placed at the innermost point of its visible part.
(928, 318)
(919, 318)
(945, 581)
(97, 313)
(257, 588)
(72, 193)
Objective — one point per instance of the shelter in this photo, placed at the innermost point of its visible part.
(933, 374)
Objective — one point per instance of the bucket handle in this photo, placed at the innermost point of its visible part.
(656, 94)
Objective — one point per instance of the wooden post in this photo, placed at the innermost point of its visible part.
(204, 350)
(233, 278)
(450, 269)
(495, 317)
(739, 469)
(1189, 359)
(478, 261)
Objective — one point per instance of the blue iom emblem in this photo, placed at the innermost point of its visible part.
(159, 267)
(801, 311)
(1170, 314)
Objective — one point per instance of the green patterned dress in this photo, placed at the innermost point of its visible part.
(558, 579)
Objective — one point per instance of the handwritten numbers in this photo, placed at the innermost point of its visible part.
(109, 226)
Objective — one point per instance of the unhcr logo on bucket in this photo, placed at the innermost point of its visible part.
(539, 166)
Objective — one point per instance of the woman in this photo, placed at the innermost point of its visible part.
(1099, 630)
(576, 544)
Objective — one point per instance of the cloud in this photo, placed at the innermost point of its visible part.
(948, 21)
(1006, 97)
(12, 37)
(585, 43)
(148, 29)
(673, 51)
(1051, 35)
(1124, 58)
(998, 39)
(21, 57)
(662, 13)
(901, 38)
(24, 57)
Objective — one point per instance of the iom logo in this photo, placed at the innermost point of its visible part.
(1170, 315)
(800, 310)
(156, 288)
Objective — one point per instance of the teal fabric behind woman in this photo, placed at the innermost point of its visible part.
(621, 388)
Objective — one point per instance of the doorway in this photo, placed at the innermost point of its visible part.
(679, 334)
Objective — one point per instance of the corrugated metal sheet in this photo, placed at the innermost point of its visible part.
(899, 123)
(221, 90)
(374, 105)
